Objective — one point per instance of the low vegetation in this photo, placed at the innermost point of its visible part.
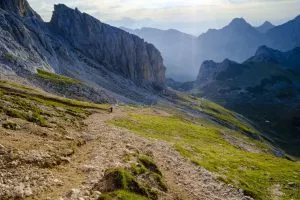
(142, 180)
(121, 195)
(10, 125)
(56, 77)
(217, 113)
(34, 106)
(255, 173)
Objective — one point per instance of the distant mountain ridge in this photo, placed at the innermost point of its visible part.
(236, 41)
(239, 40)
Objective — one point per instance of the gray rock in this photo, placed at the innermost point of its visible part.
(19, 7)
(2, 149)
(119, 51)
(105, 58)
(28, 191)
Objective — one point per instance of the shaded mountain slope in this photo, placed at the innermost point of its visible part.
(286, 36)
(264, 88)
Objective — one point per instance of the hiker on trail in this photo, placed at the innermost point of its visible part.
(110, 109)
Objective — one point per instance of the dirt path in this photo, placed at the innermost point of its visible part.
(107, 146)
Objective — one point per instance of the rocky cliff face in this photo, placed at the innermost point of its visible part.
(19, 7)
(119, 51)
(80, 46)
(178, 50)
(211, 71)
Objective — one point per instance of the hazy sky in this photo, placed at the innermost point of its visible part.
(191, 16)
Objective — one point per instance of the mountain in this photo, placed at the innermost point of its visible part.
(178, 50)
(289, 60)
(264, 88)
(85, 114)
(266, 26)
(106, 57)
(237, 41)
(286, 36)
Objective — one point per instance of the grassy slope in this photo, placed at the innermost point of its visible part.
(256, 173)
(56, 77)
(17, 101)
(217, 113)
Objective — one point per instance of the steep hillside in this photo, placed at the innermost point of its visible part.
(54, 148)
(264, 88)
(106, 58)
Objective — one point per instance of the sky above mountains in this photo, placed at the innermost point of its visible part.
(190, 16)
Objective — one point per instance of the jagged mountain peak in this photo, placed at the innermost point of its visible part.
(19, 7)
(264, 49)
(238, 22)
(61, 8)
(289, 59)
(266, 54)
(267, 23)
(241, 26)
(266, 26)
(227, 61)
(208, 63)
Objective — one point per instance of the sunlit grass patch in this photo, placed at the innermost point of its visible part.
(56, 77)
(255, 173)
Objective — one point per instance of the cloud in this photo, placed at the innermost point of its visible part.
(180, 13)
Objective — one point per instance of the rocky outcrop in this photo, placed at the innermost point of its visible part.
(19, 7)
(116, 49)
(206, 72)
(211, 71)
